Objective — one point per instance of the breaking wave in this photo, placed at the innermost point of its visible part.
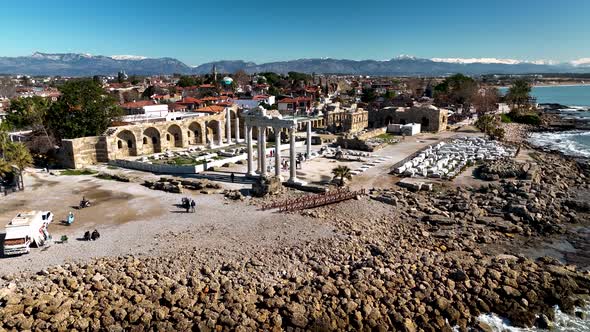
(573, 143)
(563, 322)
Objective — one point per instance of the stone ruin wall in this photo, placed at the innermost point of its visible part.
(430, 120)
(80, 152)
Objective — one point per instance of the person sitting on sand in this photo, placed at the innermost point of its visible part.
(95, 235)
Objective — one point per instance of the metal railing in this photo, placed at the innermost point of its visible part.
(311, 201)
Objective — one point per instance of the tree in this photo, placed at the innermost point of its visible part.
(490, 125)
(28, 112)
(20, 157)
(519, 94)
(389, 95)
(455, 90)
(241, 78)
(342, 172)
(185, 81)
(485, 100)
(83, 109)
(368, 96)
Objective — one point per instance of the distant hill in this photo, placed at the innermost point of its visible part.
(73, 64)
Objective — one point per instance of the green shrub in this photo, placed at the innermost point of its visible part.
(506, 118)
(78, 172)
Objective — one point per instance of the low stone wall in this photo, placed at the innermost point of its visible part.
(174, 169)
(359, 142)
(84, 151)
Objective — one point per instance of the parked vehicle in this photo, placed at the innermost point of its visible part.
(25, 229)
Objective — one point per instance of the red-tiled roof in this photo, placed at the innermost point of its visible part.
(260, 97)
(294, 100)
(225, 103)
(211, 109)
(137, 104)
(206, 86)
(190, 100)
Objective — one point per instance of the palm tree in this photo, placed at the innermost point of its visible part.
(342, 172)
(19, 156)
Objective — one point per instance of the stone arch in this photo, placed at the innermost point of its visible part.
(126, 143)
(388, 120)
(151, 141)
(212, 134)
(174, 136)
(425, 124)
(196, 133)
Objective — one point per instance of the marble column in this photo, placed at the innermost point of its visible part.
(245, 127)
(250, 156)
(237, 130)
(277, 151)
(292, 164)
(228, 126)
(220, 138)
(259, 160)
(308, 140)
(206, 132)
(263, 152)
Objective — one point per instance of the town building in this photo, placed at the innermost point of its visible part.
(294, 105)
(349, 119)
(430, 118)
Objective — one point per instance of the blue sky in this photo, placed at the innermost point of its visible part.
(202, 31)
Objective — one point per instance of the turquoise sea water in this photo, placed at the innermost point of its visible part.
(566, 95)
(577, 98)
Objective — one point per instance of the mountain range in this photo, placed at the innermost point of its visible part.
(76, 64)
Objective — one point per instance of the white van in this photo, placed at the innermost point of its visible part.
(27, 228)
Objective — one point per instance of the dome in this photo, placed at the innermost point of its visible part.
(228, 80)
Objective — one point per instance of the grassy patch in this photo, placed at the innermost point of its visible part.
(527, 118)
(78, 172)
(385, 136)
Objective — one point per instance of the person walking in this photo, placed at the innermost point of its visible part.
(187, 206)
(233, 177)
(193, 204)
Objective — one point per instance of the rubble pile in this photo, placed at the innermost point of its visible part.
(447, 160)
(177, 186)
(421, 266)
(503, 169)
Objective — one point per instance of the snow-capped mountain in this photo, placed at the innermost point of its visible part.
(478, 60)
(128, 57)
(74, 64)
(583, 62)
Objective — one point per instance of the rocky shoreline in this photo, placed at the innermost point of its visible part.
(402, 260)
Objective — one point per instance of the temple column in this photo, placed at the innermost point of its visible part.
(228, 126)
(259, 160)
(220, 138)
(292, 163)
(263, 152)
(237, 130)
(277, 151)
(250, 156)
(308, 140)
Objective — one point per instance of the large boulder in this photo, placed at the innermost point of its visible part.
(267, 185)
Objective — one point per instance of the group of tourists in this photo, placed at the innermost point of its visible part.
(91, 237)
(188, 204)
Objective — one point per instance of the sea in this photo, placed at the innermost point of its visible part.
(577, 99)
